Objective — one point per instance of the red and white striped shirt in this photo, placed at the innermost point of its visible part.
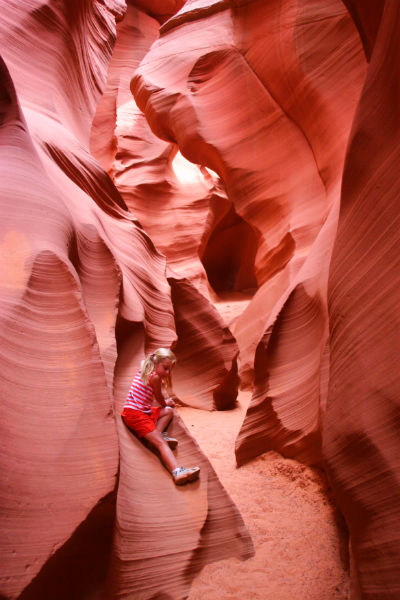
(140, 395)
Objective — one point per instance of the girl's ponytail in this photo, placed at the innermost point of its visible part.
(147, 368)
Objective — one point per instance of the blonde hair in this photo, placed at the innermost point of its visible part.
(154, 358)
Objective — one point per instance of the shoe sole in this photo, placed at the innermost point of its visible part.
(187, 479)
(171, 442)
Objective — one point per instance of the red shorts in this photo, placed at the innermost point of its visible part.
(141, 423)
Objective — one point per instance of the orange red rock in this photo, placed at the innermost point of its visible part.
(272, 116)
(288, 114)
(83, 289)
(259, 108)
(361, 436)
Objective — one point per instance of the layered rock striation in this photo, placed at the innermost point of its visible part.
(84, 294)
(178, 205)
(156, 157)
(361, 434)
(252, 99)
(266, 97)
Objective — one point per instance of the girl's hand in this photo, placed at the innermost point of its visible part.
(169, 402)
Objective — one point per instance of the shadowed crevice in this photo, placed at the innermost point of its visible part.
(229, 255)
(77, 571)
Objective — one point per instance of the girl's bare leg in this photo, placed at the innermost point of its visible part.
(165, 418)
(155, 438)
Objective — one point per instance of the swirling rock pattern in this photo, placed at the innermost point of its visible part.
(281, 165)
(289, 391)
(263, 97)
(176, 204)
(185, 529)
(361, 436)
(83, 292)
(252, 99)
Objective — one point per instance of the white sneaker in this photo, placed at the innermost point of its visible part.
(181, 475)
(172, 442)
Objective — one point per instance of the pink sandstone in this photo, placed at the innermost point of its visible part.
(280, 163)
(82, 286)
(361, 435)
(288, 112)
(176, 203)
(230, 101)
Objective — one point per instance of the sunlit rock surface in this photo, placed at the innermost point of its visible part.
(83, 293)
(176, 203)
(262, 98)
(265, 94)
(252, 99)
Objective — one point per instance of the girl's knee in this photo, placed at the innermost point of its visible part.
(167, 411)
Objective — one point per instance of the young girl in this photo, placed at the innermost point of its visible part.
(151, 422)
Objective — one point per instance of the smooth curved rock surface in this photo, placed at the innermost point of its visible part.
(172, 208)
(159, 9)
(161, 528)
(367, 17)
(361, 434)
(276, 135)
(286, 193)
(263, 95)
(135, 34)
(278, 146)
(61, 453)
(210, 382)
(80, 281)
(289, 392)
(179, 206)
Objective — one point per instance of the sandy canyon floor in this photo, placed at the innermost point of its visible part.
(299, 538)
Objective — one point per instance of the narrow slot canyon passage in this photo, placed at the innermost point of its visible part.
(218, 180)
(300, 540)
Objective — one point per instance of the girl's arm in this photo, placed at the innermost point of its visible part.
(171, 394)
(155, 383)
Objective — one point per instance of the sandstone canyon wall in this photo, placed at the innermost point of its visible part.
(172, 199)
(242, 100)
(109, 253)
(84, 294)
(361, 424)
(253, 99)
